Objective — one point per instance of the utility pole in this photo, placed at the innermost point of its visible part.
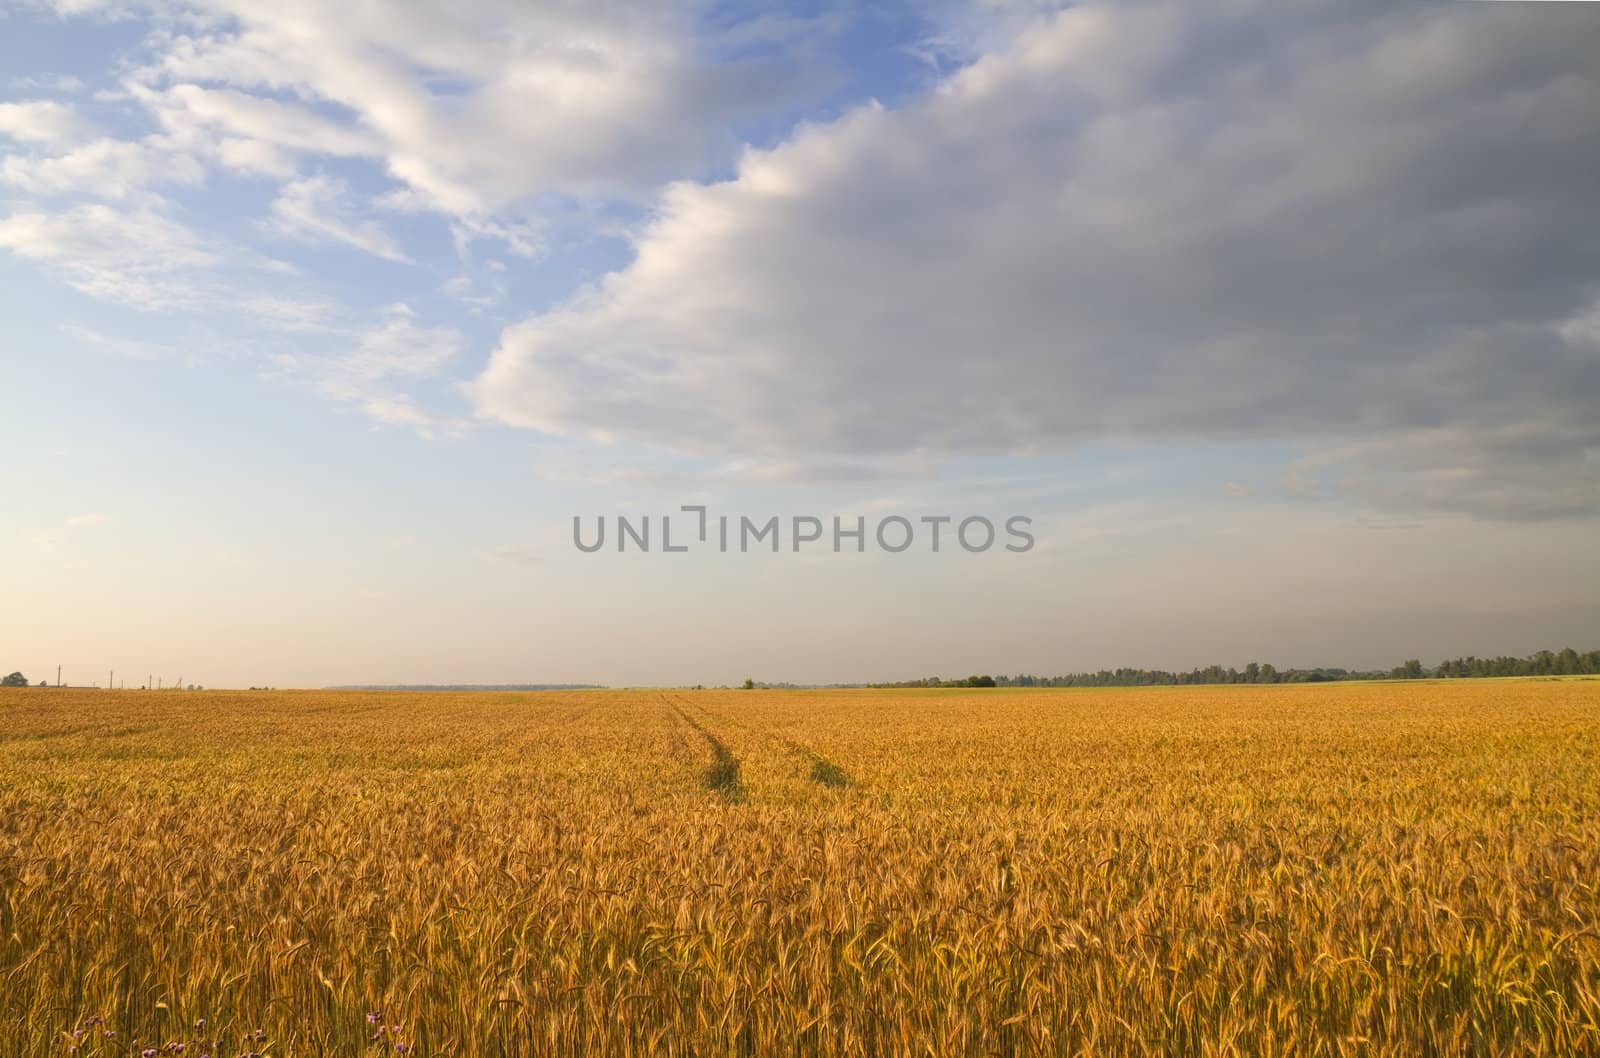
(58, 675)
(111, 680)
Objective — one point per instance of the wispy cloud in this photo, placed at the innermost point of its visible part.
(442, 93)
(134, 350)
(135, 257)
(370, 369)
(517, 554)
(107, 168)
(318, 210)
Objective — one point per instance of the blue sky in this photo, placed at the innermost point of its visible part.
(320, 326)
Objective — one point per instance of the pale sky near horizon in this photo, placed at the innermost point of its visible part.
(321, 323)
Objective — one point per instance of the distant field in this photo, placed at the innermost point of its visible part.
(1385, 869)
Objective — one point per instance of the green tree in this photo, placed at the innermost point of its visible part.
(16, 679)
(1411, 670)
(749, 684)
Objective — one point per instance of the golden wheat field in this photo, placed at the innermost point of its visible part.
(1385, 869)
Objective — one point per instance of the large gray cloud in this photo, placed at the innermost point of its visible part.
(1372, 232)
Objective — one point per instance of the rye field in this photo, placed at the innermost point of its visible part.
(1340, 869)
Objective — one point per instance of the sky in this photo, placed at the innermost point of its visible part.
(321, 324)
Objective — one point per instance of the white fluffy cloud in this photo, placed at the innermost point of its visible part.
(1372, 232)
(43, 121)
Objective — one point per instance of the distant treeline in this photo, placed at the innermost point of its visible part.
(1566, 662)
(468, 687)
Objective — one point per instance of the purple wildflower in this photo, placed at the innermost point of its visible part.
(149, 1052)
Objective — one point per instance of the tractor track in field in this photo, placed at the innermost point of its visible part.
(722, 777)
(822, 771)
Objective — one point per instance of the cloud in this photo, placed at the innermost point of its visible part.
(63, 84)
(318, 210)
(1366, 232)
(103, 8)
(1516, 471)
(373, 373)
(400, 347)
(44, 121)
(127, 347)
(517, 554)
(145, 257)
(136, 257)
(252, 133)
(398, 410)
(463, 289)
(105, 168)
(470, 107)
